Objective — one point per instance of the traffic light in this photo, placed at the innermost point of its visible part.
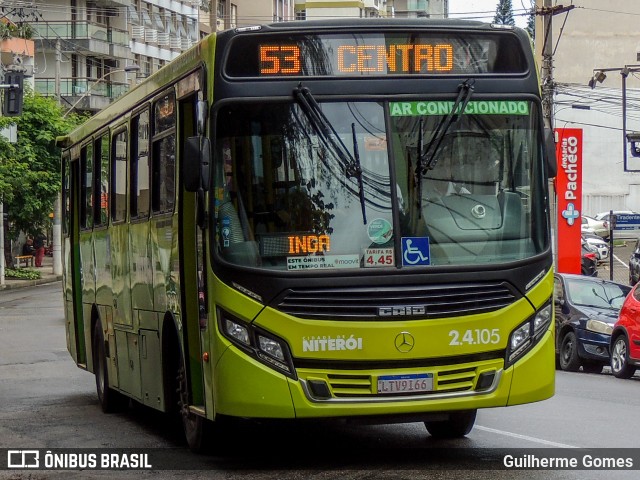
(12, 105)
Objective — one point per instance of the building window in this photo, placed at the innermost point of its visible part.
(301, 15)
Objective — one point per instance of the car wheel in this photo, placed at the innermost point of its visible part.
(458, 425)
(620, 358)
(569, 360)
(592, 368)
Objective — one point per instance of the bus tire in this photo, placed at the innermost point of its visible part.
(620, 358)
(458, 425)
(198, 431)
(110, 400)
(569, 359)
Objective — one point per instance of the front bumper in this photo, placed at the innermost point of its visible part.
(243, 387)
(593, 346)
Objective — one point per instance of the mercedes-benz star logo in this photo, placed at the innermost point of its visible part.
(479, 211)
(404, 342)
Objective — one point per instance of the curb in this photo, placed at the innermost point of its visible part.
(30, 283)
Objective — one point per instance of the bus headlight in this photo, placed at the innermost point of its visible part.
(526, 335)
(597, 326)
(237, 332)
(259, 344)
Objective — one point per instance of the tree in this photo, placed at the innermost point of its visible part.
(30, 172)
(504, 13)
(531, 20)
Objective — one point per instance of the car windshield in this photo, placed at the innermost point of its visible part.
(589, 293)
(341, 185)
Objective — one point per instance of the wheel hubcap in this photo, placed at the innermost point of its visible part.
(619, 356)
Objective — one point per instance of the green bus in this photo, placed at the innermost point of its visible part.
(344, 219)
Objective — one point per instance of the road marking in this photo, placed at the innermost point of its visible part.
(525, 437)
(619, 260)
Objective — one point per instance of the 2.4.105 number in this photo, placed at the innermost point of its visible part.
(482, 336)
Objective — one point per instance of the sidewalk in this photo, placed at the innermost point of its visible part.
(46, 272)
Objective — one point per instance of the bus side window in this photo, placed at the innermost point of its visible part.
(164, 154)
(139, 183)
(101, 151)
(86, 187)
(119, 177)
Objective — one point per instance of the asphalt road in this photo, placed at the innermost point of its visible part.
(47, 402)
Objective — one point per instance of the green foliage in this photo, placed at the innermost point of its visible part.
(22, 273)
(30, 173)
(504, 13)
(12, 30)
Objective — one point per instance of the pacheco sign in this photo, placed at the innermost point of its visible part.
(569, 198)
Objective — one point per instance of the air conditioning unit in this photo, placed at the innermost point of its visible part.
(164, 39)
(137, 32)
(150, 35)
(175, 42)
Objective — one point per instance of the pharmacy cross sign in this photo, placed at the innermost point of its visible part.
(570, 213)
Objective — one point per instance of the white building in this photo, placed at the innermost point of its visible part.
(322, 9)
(600, 35)
(83, 46)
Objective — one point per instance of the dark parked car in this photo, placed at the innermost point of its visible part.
(586, 309)
(634, 264)
(589, 261)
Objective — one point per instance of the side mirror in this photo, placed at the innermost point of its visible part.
(196, 164)
(550, 151)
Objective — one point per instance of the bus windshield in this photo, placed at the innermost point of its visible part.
(356, 192)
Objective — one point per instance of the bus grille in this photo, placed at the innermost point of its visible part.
(445, 381)
(396, 303)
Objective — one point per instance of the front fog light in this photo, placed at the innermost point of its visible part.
(271, 347)
(237, 332)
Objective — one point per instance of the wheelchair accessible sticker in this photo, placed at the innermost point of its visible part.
(415, 251)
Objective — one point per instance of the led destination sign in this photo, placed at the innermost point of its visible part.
(266, 55)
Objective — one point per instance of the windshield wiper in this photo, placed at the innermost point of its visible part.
(330, 138)
(427, 159)
(356, 171)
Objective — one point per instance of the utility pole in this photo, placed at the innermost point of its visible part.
(56, 229)
(1, 244)
(544, 52)
(213, 15)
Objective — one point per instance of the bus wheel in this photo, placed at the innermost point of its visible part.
(620, 358)
(458, 425)
(110, 400)
(197, 429)
(569, 360)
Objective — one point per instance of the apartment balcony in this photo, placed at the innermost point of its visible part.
(95, 39)
(116, 3)
(91, 95)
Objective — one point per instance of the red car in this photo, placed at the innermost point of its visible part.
(625, 338)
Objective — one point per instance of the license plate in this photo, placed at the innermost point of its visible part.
(410, 383)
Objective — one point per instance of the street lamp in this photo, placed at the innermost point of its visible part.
(128, 69)
(599, 76)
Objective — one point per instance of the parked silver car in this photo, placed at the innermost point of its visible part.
(596, 227)
(600, 245)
